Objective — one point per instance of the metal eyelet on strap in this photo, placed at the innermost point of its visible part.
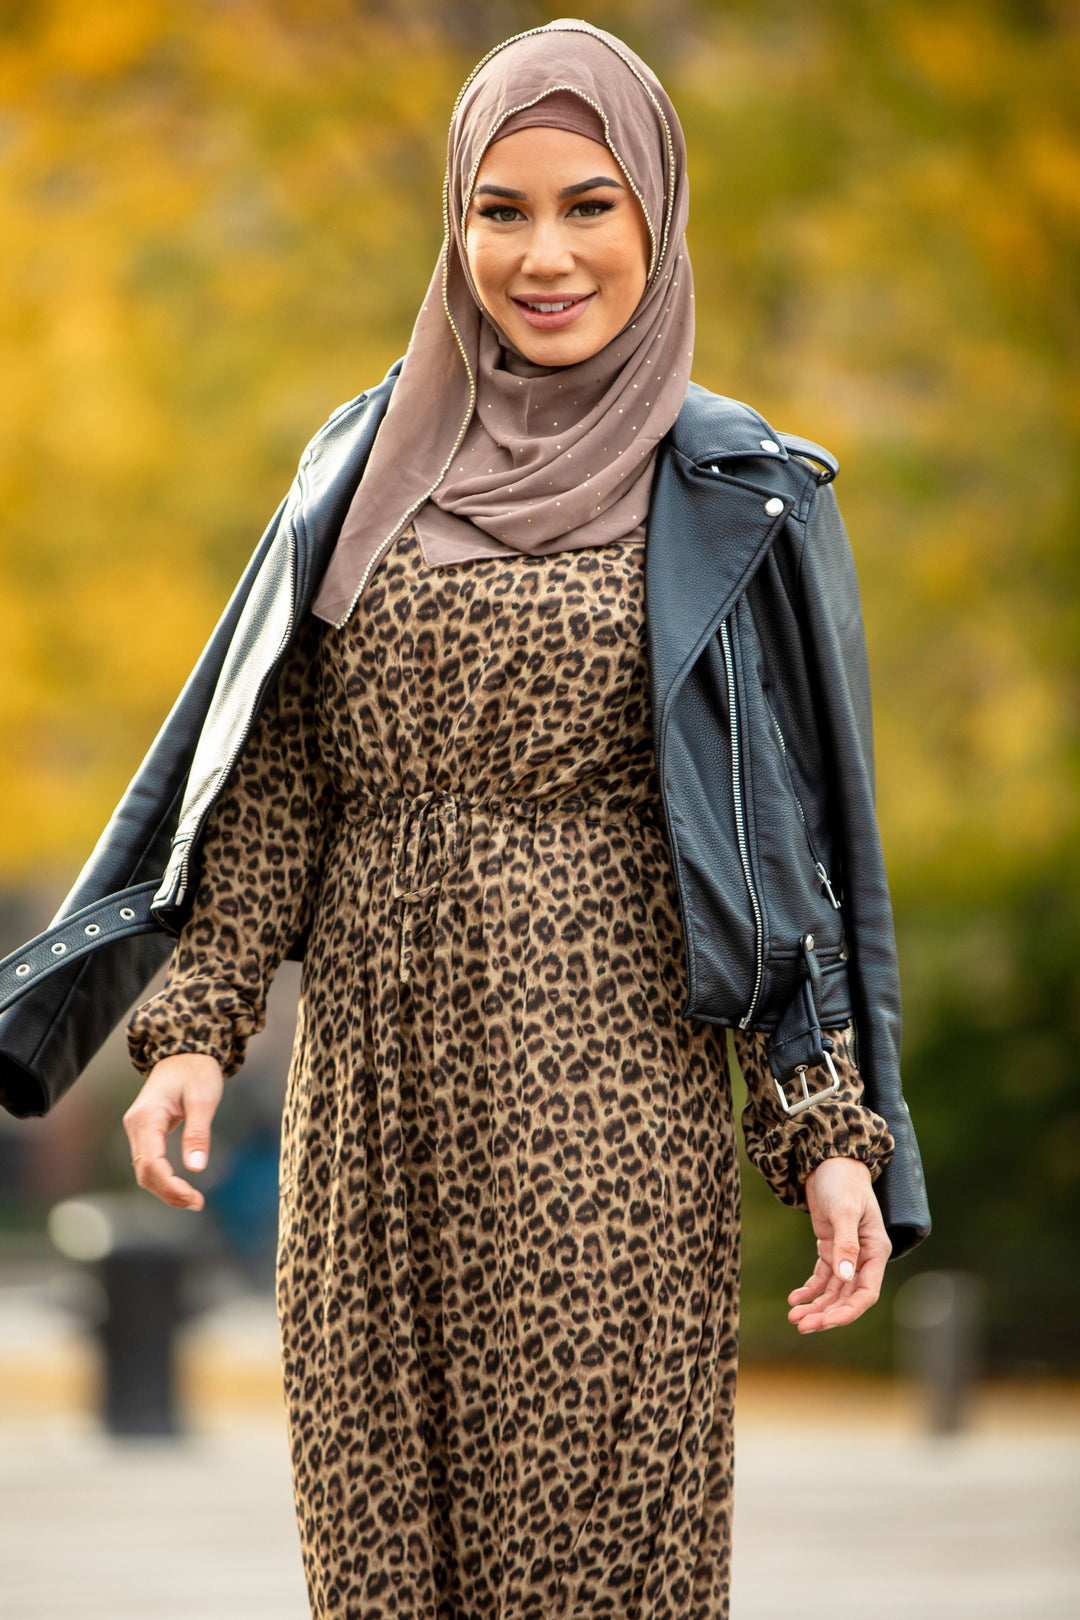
(127, 913)
(22, 970)
(92, 928)
(59, 948)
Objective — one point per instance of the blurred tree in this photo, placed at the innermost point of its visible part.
(218, 221)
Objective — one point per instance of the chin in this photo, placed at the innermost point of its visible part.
(556, 350)
(550, 357)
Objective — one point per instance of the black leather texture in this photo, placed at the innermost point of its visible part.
(762, 724)
(798, 1041)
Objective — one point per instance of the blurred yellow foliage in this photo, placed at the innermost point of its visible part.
(216, 225)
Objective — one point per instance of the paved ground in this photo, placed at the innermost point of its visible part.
(147, 1531)
(843, 1508)
(979, 1529)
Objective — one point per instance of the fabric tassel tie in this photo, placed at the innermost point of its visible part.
(425, 847)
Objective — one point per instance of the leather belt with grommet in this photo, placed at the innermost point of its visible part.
(114, 917)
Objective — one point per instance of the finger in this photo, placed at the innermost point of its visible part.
(824, 1298)
(824, 1302)
(147, 1126)
(147, 1129)
(844, 1251)
(157, 1176)
(839, 1312)
(200, 1102)
(818, 1279)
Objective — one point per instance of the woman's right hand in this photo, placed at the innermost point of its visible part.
(186, 1088)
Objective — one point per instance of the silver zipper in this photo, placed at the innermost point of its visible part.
(818, 867)
(740, 824)
(826, 885)
(242, 744)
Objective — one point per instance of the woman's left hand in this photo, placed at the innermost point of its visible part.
(852, 1247)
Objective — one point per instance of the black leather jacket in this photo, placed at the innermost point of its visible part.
(762, 727)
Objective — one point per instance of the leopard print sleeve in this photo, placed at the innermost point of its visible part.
(262, 851)
(786, 1149)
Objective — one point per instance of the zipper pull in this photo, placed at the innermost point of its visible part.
(826, 885)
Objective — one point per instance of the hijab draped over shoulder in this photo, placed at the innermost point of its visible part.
(485, 452)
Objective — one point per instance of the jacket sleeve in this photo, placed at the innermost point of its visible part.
(785, 1148)
(262, 854)
(831, 606)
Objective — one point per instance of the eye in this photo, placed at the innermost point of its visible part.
(501, 213)
(594, 208)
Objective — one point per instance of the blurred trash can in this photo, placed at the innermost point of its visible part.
(140, 1250)
(938, 1317)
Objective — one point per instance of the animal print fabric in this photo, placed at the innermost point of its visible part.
(509, 1237)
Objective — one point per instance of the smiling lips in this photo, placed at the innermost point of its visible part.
(549, 312)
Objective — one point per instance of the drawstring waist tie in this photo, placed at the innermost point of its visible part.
(426, 844)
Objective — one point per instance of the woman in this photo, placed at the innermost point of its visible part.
(508, 1253)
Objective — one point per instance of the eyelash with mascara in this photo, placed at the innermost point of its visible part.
(501, 208)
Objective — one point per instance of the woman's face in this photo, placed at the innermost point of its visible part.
(557, 244)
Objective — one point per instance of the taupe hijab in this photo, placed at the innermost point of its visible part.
(484, 451)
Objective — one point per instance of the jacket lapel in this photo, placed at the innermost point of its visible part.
(708, 530)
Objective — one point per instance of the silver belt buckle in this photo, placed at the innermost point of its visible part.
(808, 1096)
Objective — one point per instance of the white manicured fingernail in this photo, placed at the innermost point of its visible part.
(196, 1161)
(847, 1270)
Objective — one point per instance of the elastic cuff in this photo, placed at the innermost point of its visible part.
(152, 1052)
(219, 1027)
(875, 1149)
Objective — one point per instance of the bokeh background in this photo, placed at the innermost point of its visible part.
(217, 218)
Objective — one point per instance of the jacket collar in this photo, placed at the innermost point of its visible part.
(711, 427)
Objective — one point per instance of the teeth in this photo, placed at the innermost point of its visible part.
(551, 309)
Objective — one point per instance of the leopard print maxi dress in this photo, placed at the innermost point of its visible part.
(509, 1241)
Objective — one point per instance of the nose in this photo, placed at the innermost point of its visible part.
(547, 252)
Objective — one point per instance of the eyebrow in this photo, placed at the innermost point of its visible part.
(567, 191)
